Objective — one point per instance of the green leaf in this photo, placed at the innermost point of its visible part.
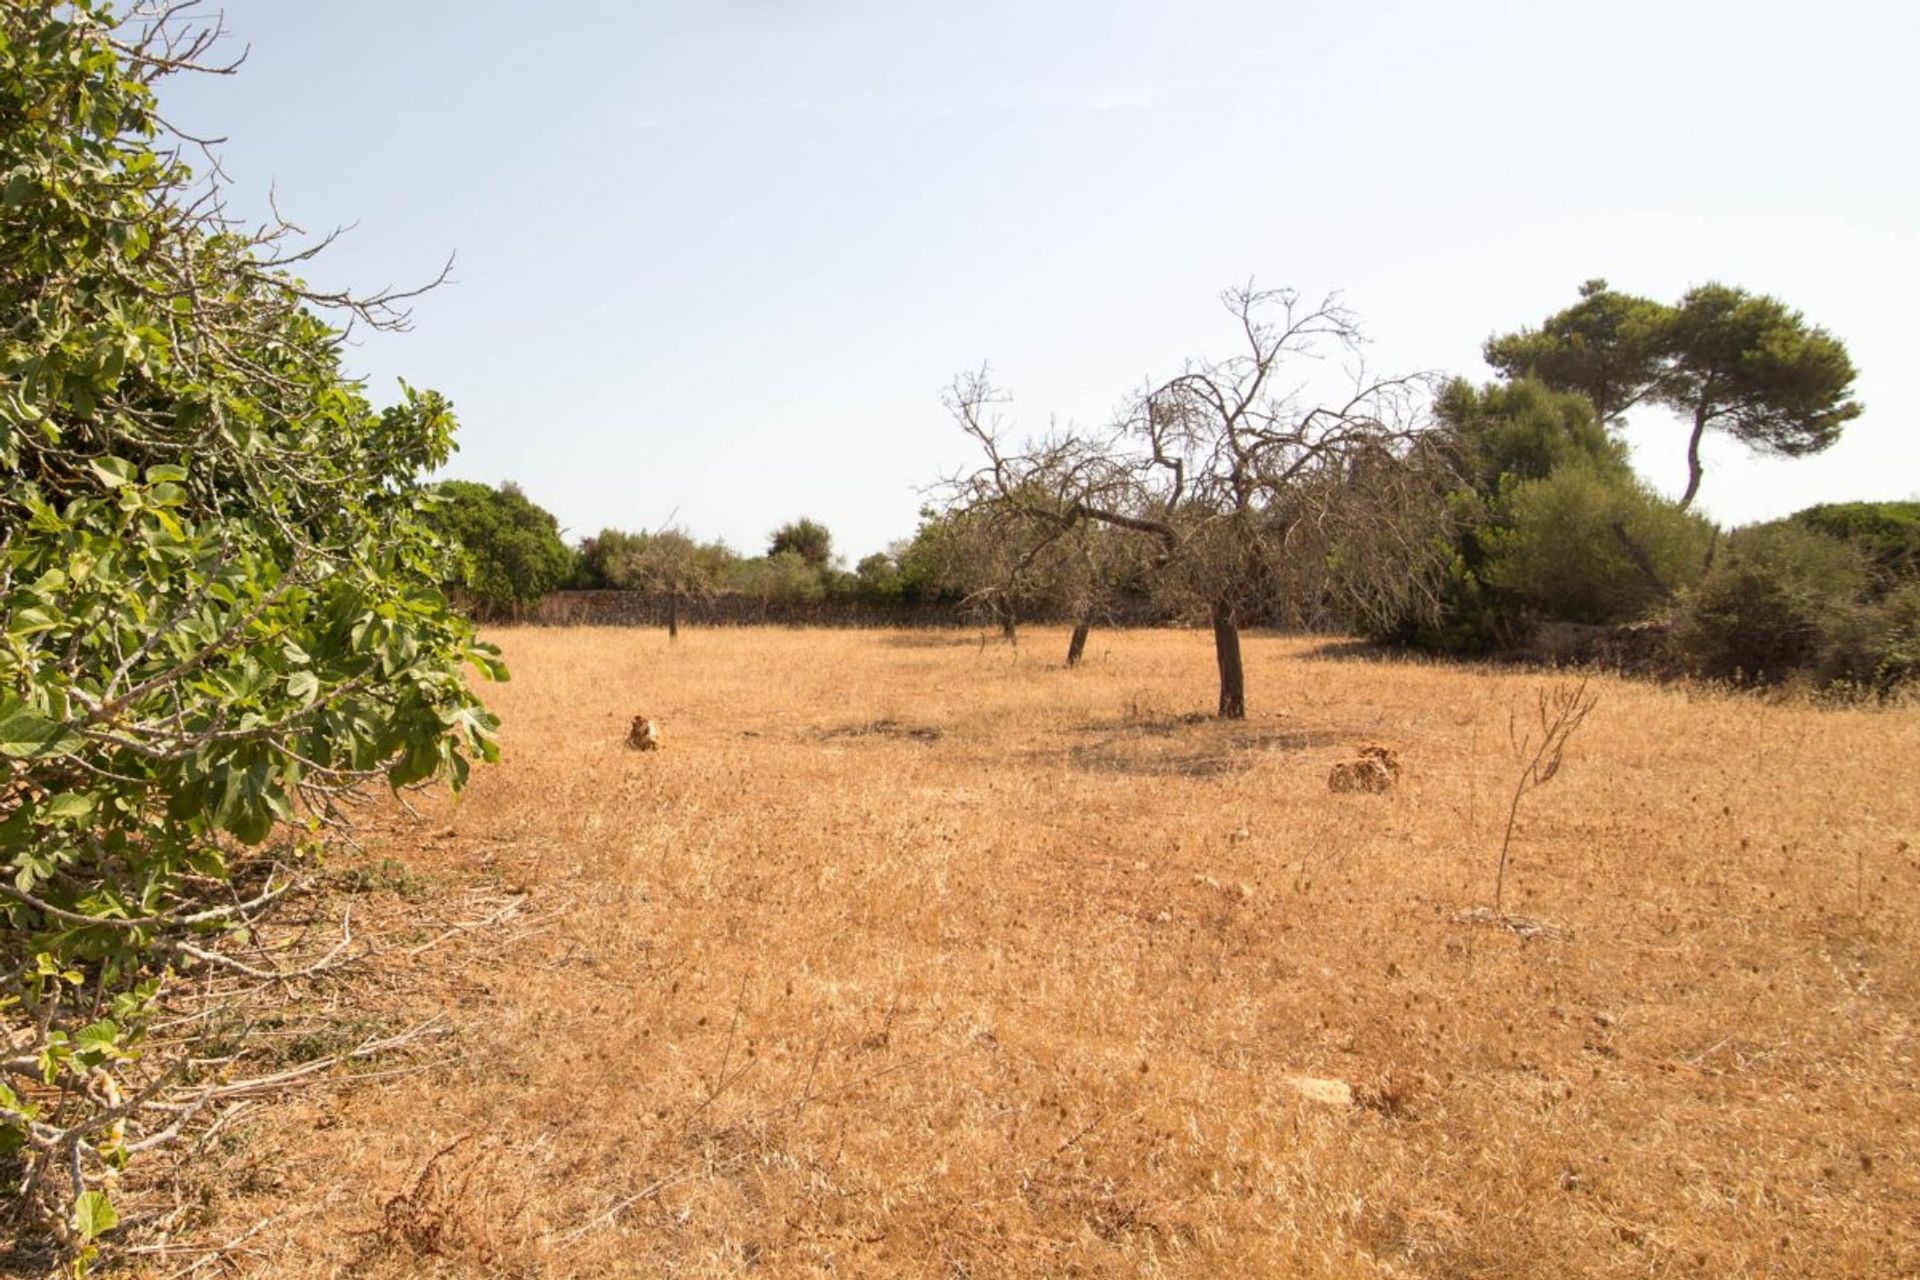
(243, 806)
(71, 804)
(416, 765)
(25, 734)
(113, 472)
(94, 1215)
(303, 685)
(30, 620)
(101, 1039)
(165, 471)
(487, 658)
(10, 1101)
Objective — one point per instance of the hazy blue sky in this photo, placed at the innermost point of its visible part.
(718, 257)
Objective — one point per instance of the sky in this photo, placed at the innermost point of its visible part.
(715, 260)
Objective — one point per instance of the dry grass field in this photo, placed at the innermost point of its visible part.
(914, 956)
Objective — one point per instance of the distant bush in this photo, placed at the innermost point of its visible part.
(594, 566)
(1499, 439)
(1874, 648)
(508, 548)
(1586, 545)
(1887, 532)
(669, 561)
(808, 539)
(1780, 600)
(931, 566)
(1522, 430)
(784, 577)
(876, 579)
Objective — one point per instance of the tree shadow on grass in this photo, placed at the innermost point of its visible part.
(941, 638)
(1189, 746)
(1352, 649)
(887, 728)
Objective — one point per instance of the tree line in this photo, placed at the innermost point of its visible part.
(508, 552)
(1441, 514)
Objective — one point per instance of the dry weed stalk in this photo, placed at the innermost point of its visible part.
(417, 1219)
(1559, 712)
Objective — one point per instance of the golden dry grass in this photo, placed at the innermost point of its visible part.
(910, 956)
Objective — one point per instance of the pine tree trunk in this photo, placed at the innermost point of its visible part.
(1233, 677)
(1693, 456)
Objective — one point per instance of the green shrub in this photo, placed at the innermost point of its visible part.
(1522, 430)
(1584, 545)
(1888, 532)
(785, 577)
(1874, 648)
(219, 607)
(877, 580)
(1775, 603)
(1497, 438)
(808, 539)
(509, 548)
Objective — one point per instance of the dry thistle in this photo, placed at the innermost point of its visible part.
(1559, 711)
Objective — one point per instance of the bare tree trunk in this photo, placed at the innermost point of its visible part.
(1233, 677)
(1693, 455)
(1077, 646)
(1009, 625)
(673, 617)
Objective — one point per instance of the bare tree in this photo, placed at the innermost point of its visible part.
(1006, 567)
(1082, 574)
(1253, 501)
(1097, 568)
(669, 563)
(982, 556)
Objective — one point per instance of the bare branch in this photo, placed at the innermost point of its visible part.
(1258, 500)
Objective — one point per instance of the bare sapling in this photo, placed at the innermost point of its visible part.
(1559, 712)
